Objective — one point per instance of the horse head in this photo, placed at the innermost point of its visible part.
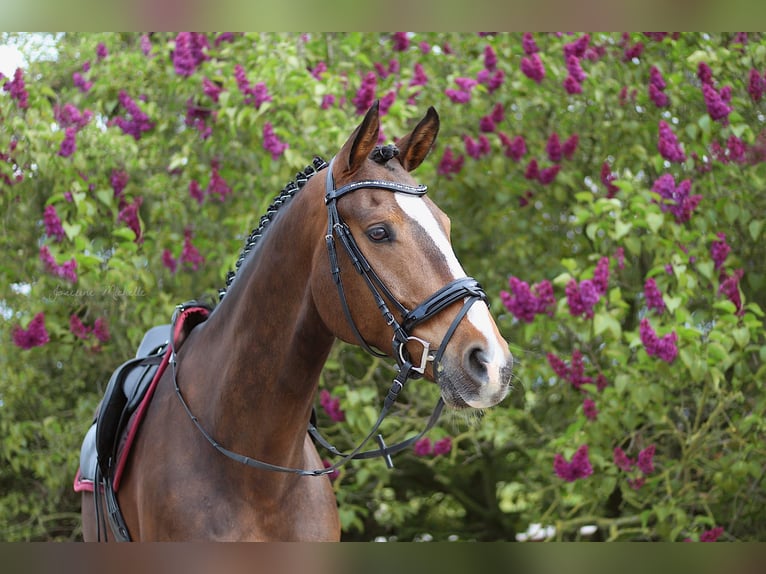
(400, 281)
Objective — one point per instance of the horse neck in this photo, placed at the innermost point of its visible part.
(257, 359)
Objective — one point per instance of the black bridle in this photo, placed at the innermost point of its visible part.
(465, 289)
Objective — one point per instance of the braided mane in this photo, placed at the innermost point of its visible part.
(287, 193)
(381, 154)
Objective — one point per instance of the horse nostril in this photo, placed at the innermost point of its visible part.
(476, 363)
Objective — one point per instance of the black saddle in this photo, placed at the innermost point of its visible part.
(124, 392)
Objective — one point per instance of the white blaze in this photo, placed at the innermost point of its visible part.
(417, 209)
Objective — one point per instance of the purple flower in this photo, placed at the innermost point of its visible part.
(217, 185)
(101, 330)
(423, 447)
(490, 58)
(646, 460)
(35, 335)
(67, 270)
(533, 68)
(189, 52)
(492, 80)
(704, 73)
(318, 70)
(578, 47)
(169, 261)
(676, 199)
(146, 44)
(589, 409)
(668, 145)
(211, 89)
(401, 41)
(601, 276)
(331, 406)
(101, 51)
(52, 221)
(579, 467)
(622, 460)
(77, 327)
(525, 303)
(653, 296)
(719, 250)
(553, 148)
(569, 147)
(528, 44)
(515, 148)
(190, 255)
(486, 124)
(559, 366)
(575, 70)
(197, 117)
(365, 96)
(657, 88)
(572, 86)
(730, 288)
(619, 256)
(476, 148)
(633, 51)
(137, 121)
(69, 116)
(118, 180)
(716, 104)
(711, 535)
(328, 100)
(657, 96)
(463, 94)
(442, 446)
(533, 170)
(736, 149)
(17, 89)
(256, 95)
(81, 83)
(68, 144)
(574, 373)
(656, 79)
(271, 142)
(755, 86)
(129, 215)
(664, 348)
(450, 164)
(582, 297)
(419, 77)
(547, 175)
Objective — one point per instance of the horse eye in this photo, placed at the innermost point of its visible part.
(378, 234)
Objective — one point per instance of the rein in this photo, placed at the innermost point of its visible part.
(464, 289)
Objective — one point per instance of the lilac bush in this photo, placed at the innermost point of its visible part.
(604, 188)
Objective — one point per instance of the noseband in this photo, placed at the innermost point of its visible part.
(465, 289)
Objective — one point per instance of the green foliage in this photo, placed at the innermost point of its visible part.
(703, 411)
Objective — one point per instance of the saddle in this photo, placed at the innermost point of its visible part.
(106, 445)
(126, 389)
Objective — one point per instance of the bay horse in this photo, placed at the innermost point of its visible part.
(245, 379)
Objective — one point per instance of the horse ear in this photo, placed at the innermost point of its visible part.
(414, 147)
(362, 141)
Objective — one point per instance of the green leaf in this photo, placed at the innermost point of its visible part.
(621, 229)
(755, 227)
(603, 321)
(72, 230)
(654, 221)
